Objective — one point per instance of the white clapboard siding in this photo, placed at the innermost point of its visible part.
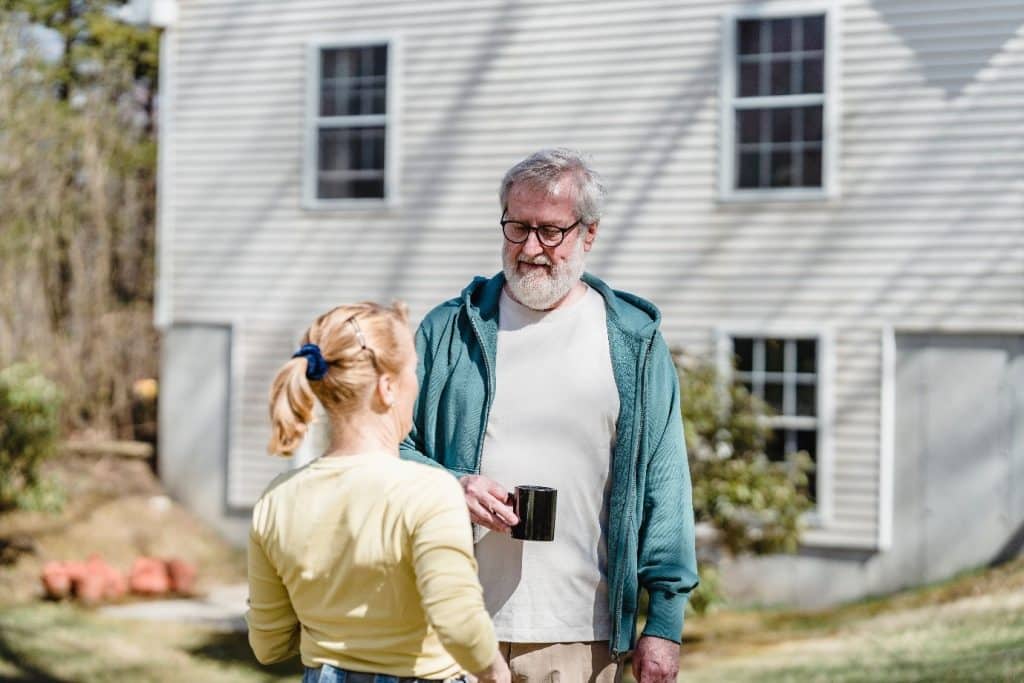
(927, 230)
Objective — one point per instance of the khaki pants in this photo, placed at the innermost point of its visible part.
(561, 662)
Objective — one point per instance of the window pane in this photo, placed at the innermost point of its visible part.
(814, 33)
(773, 396)
(380, 60)
(812, 123)
(782, 124)
(749, 34)
(775, 449)
(749, 170)
(379, 102)
(749, 121)
(347, 188)
(368, 188)
(339, 63)
(774, 354)
(806, 400)
(807, 440)
(743, 349)
(353, 81)
(782, 168)
(812, 168)
(782, 35)
(806, 355)
(813, 76)
(781, 82)
(749, 85)
(350, 162)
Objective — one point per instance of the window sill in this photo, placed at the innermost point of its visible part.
(819, 537)
(787, 195)
(351, 205)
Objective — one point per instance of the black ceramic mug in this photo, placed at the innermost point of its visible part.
(535, 507)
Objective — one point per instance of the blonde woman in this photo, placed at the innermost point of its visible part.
(360, 562)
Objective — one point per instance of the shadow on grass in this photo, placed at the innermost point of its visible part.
(27, 670)
(233, 648)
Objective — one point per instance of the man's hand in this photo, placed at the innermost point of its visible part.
(486, 500)
(655, 660)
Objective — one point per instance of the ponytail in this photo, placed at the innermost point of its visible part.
(342, 355)
(291, 407)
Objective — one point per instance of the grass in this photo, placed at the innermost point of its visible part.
(970, 628)
(967, 629)
(52, 642)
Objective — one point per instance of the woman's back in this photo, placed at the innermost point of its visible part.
(373, 556)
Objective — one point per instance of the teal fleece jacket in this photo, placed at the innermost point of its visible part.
(650, 524)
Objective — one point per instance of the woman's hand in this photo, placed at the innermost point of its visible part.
(497, 672)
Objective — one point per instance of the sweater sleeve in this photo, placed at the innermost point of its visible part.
(415, 446)
(412, 446)
(667, 561)
(446, 576)
(273, 625)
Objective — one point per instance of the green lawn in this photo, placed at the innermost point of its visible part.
(61, 642)
(976, 640)
(968, 629)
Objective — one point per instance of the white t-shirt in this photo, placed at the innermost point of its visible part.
(552, 423)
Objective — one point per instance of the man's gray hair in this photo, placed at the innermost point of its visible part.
(543, 169)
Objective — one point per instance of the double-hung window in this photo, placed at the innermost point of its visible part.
(778, 105)
(787, 374)
(350, 156)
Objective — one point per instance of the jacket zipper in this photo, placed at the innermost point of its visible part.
(490, 392)
(617, 617)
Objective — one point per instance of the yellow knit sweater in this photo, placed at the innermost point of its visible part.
(366, 562)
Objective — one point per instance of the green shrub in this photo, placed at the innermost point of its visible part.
(29, 427)
(709, 594)
(754, 505)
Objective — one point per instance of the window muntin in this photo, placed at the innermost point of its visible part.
(785, 373)
(779, 104)
(351, 123)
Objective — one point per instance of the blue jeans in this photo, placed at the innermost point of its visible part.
(332, 674)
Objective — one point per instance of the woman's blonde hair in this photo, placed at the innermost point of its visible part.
(358, 342)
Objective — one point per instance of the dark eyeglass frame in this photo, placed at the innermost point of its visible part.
(536, 229)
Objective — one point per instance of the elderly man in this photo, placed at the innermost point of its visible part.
(544, 375)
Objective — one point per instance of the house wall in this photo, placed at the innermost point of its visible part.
(958, 480)
(925, 231)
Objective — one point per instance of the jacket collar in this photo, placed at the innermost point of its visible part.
(632, 314)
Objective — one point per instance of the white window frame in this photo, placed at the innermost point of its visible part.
(822, 514)
(830, 116)
(390, 121)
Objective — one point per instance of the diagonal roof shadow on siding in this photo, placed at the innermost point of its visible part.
(428, 196)
(951, 54)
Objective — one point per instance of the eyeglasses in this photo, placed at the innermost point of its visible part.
(548, 235)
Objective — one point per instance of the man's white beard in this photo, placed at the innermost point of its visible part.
(541, 289)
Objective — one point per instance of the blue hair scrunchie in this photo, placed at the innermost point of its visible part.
(316, 366)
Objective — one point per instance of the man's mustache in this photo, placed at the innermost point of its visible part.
(538, 260)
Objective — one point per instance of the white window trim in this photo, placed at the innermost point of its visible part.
(727, 101)
(390, 120)
(822, 516)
